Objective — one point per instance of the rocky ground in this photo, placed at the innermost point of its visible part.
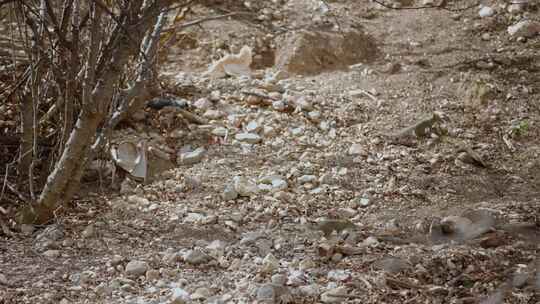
(399, 165)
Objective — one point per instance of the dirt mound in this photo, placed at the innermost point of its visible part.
(312, 52)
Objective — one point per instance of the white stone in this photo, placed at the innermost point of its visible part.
(363, 201)
(339, 275)
(315, 116)
(486, 11)
(253, 127)
(324, 125)
(216, 245)
(274, 182)
(202, 104)
(268, 131)
(52, 253)
(304, 179)
(194, 217)
(215, 96)
(244, 187)
(193, 157)
(297, 131)
(249, 138)
(515, 8)
(525, 28)
(356, 149)
(220, 131)
(180, 296)
(279, 105)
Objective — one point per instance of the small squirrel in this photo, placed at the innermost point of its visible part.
(329, 226)
(421, 128)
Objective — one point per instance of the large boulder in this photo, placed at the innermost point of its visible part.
(308, 52)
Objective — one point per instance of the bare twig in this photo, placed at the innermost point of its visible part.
(442, 5)
(210, 18)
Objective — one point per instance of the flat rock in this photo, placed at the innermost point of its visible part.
(304, 179)
(253, 127)
(134, 199)
(356, 149)
(193, 157)
(525, 28)
(229, 193)
(213, 114)
(220, 131)
(196, 257)
(52, 253)
(136, 268)
(327, 297)
(202, 293)
(339, 275)
(250, 138)
(279, 105)
(193, 217)
(244, 187)
(273, 182)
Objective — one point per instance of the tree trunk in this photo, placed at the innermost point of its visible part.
(59, 180)
(126, 42)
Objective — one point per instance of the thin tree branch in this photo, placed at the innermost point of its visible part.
(210, 18)
(442, 5)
